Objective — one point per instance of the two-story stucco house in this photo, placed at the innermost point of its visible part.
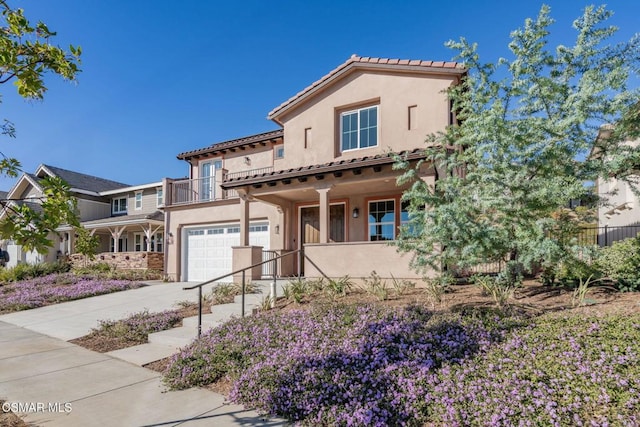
(323, 181)
(127, 219)
(619, 217)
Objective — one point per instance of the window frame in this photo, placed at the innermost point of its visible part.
(142, 244)
(123, 242)
(207, 186)
(382, 223)
(157, 240)
(358, 110)
(137, 202)
(116, 201)
(398, 210)
(276, 149)
(159, 197)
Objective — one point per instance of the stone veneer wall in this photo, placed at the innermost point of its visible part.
(124, 260)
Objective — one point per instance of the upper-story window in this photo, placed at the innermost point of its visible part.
(138, 200)
(159, 197)
(119, 205)
(207, 178)
(359, 128)
(278, 152)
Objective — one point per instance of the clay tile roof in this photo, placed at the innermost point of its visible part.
(340, 165)
(355, 61)
(233, 143)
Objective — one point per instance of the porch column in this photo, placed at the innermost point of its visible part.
(115, 234)
(245, 199)
(324, 213)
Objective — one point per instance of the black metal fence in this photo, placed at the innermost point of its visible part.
(601, 236)
(606, 235)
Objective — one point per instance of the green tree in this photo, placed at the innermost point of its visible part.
(26, 56)
(522, 148)
(86, 243)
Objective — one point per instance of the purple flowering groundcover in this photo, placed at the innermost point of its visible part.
(367, 365)
(55, 288)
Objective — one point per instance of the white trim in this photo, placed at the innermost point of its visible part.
(130, 189)
(89, 193)
(126, 209)
(124, 222)
(135, 200)
(135, 236)
(158, 199)
(357, 112)
(395, 217)
(20, 181)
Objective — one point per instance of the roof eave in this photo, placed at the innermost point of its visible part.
(348, 68)
(319, 170)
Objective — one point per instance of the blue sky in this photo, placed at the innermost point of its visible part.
(161, 77)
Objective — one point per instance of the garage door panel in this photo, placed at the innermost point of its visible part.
(209, 249)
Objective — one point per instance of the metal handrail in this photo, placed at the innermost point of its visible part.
(243, 271)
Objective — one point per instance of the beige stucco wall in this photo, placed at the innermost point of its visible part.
(618, 194)
(205, 214)
(358, 260)
(258, 157)
(393, 93)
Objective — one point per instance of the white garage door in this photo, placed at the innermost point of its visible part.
(209, 253)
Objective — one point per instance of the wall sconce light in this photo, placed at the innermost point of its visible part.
(247, 160)
(356, 212)
(277, 228)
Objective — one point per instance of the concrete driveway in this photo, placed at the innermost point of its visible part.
(60, 384)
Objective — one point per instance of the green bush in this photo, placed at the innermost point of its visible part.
(225, 293)
(100, 268)
(30, 271)
(621, 263)
(105, 271)
(572, 271)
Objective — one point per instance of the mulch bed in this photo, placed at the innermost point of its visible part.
(97, 341)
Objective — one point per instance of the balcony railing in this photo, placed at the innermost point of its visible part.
(250, 172)
(200, 190)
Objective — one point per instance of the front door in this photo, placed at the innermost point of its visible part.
(310, 224)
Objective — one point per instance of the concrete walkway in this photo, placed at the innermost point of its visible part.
(39, 368)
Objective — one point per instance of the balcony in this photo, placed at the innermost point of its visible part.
(201, 190)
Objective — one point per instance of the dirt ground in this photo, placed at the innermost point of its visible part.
(102, 343)
(532, 299)
(9, 419)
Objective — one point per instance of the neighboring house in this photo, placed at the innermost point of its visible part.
(619, 217)
(324, 181)
(126, 218)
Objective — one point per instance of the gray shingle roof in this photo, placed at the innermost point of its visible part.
(155, 216)
(85, 182)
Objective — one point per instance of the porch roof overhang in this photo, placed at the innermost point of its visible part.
(333, 168)
(261, 139)
(156, 218)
